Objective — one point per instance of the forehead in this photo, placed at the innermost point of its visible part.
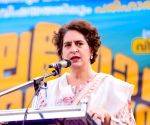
(73, 35)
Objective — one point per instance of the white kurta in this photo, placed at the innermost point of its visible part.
(103, 91)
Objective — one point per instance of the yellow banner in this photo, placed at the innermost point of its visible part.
(24, 57)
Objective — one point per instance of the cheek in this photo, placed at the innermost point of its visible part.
(88, 53)
(64, 53)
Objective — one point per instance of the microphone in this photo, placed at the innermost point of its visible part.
(61, 64)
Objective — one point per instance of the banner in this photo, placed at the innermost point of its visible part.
(26, 31)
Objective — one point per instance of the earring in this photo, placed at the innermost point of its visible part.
(91, 57)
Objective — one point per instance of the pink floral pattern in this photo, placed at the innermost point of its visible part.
(42, 100)
(67, 100)
(125, 116)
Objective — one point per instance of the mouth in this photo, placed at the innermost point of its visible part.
(75, 59)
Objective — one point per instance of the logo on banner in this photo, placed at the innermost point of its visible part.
(141, 46)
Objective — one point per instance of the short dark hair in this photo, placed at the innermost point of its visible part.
(89, 32)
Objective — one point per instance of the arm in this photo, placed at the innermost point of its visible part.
(124, 116)
(39, 100)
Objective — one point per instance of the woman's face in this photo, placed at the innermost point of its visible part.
(76, 49)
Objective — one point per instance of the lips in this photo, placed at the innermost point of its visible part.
(74, 58)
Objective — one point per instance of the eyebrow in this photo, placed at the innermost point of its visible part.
(72, 41)
(67, 42)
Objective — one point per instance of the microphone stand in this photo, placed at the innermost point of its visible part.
(36, 82)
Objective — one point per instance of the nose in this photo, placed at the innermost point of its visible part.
(74, 48)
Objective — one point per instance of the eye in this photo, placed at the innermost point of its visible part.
(79, 43)
(67, 44)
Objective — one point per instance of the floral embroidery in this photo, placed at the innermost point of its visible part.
(125, 116)
(41, 99)
(129, 105)
(65, 100)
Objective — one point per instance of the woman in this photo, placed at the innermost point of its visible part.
(108, 98)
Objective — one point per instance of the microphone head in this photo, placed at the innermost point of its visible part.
(68, 63)
(61, 64)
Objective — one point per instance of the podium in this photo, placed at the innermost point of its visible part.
(58, 115)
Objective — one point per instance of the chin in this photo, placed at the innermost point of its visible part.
(76, 65)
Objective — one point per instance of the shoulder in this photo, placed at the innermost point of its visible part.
(115, 86)
(115, 82)
(120, 85)
(113, 92)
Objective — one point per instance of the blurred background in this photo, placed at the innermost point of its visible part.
(26, 31)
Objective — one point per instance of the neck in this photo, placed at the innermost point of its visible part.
(78, 75)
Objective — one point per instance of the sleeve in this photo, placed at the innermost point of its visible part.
(122, 93)
(124, 116)
(46, 96)
(40, 100)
